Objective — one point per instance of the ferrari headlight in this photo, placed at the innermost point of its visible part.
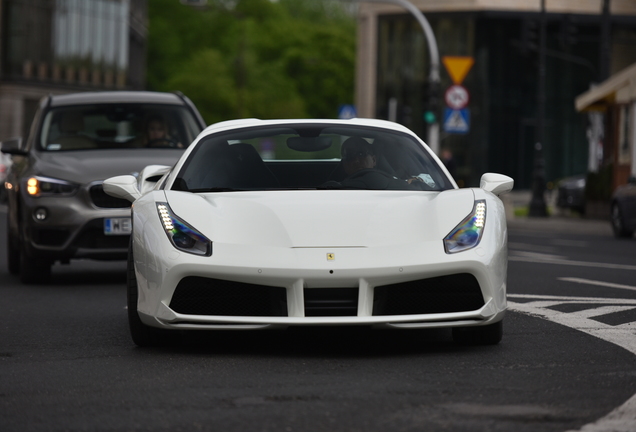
(46, 186)
(181, 235)
(468, 233)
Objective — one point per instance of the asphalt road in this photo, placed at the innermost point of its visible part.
(67, 362)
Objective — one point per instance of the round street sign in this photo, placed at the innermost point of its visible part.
(456, 97)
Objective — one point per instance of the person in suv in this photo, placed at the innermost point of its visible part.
(57, 209)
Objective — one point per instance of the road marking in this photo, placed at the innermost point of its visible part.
(598, 283)
(534, 257)
(619, 335)
(623, 418)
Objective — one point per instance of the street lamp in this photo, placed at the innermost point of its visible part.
(433, 76)
(537, 203)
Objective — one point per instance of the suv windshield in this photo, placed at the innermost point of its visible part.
(107, 126)
(310, 156)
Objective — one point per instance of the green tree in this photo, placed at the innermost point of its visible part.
(254, 58)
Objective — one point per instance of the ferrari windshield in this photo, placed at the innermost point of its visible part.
(310, 156)
(107, 126)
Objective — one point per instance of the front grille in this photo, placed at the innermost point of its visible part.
(205, 296)
(94, 238)
(445, 294)
(50, 236)
(331, 302)
(103, 200)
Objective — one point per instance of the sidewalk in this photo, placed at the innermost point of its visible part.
(561, 221)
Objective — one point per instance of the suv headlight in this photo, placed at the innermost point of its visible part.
(468, 233)
(181, 235)
(45, 186)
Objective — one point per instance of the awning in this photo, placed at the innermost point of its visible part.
(618, 89)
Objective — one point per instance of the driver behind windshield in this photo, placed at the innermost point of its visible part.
(156, 133)
(359, 162)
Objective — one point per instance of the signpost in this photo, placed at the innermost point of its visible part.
(457, 116)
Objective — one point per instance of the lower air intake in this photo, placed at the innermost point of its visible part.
(205, 296)
(445, 294)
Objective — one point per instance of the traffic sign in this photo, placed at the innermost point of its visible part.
(457, 121)
(458, 67)
(457, 97)
(346, 112)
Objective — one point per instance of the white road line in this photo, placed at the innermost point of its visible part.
(623, 418)
(571, 243)
(552, 300)
(599, 283)
(600, 311)
(572, 263)
(620, 336)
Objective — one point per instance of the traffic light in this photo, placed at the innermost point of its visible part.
(568, 32)
(529, 35)
(430, 102)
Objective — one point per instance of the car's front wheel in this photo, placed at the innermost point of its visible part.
(142, 334)
(482, 335)
(618, 223)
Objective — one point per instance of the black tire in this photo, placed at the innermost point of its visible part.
(33, 270)
(618, 223)
(13, 252)
(142, 334)
(482, 335)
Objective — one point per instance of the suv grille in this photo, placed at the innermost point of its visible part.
(103, 200)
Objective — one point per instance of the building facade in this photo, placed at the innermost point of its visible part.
(63, 46)
(585, 44)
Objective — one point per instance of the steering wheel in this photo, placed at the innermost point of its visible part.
(163, 142)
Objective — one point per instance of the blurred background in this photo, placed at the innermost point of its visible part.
(330, 58)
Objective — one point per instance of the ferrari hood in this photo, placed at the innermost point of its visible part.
(95, 165)
(330, 218)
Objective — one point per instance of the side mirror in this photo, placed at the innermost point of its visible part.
(496, 183)
(13, 146)
(124, 187)
(149, 176)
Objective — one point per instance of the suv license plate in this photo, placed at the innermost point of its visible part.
(117, 226)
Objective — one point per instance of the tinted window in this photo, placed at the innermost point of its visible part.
(310, 156)
(117, 126)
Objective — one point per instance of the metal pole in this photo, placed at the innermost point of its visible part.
(433, 76)
(537, 204)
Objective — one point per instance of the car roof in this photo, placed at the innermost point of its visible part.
(253, 122)
(89, 98)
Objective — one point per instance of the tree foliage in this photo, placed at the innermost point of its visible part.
(254, 58)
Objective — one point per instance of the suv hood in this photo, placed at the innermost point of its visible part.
(87, 166)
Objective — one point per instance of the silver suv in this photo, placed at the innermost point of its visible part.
(57, 209)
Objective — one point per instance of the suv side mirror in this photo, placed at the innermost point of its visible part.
(13, 146)
(496, 183)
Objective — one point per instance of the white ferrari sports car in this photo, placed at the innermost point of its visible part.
(278, 223)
